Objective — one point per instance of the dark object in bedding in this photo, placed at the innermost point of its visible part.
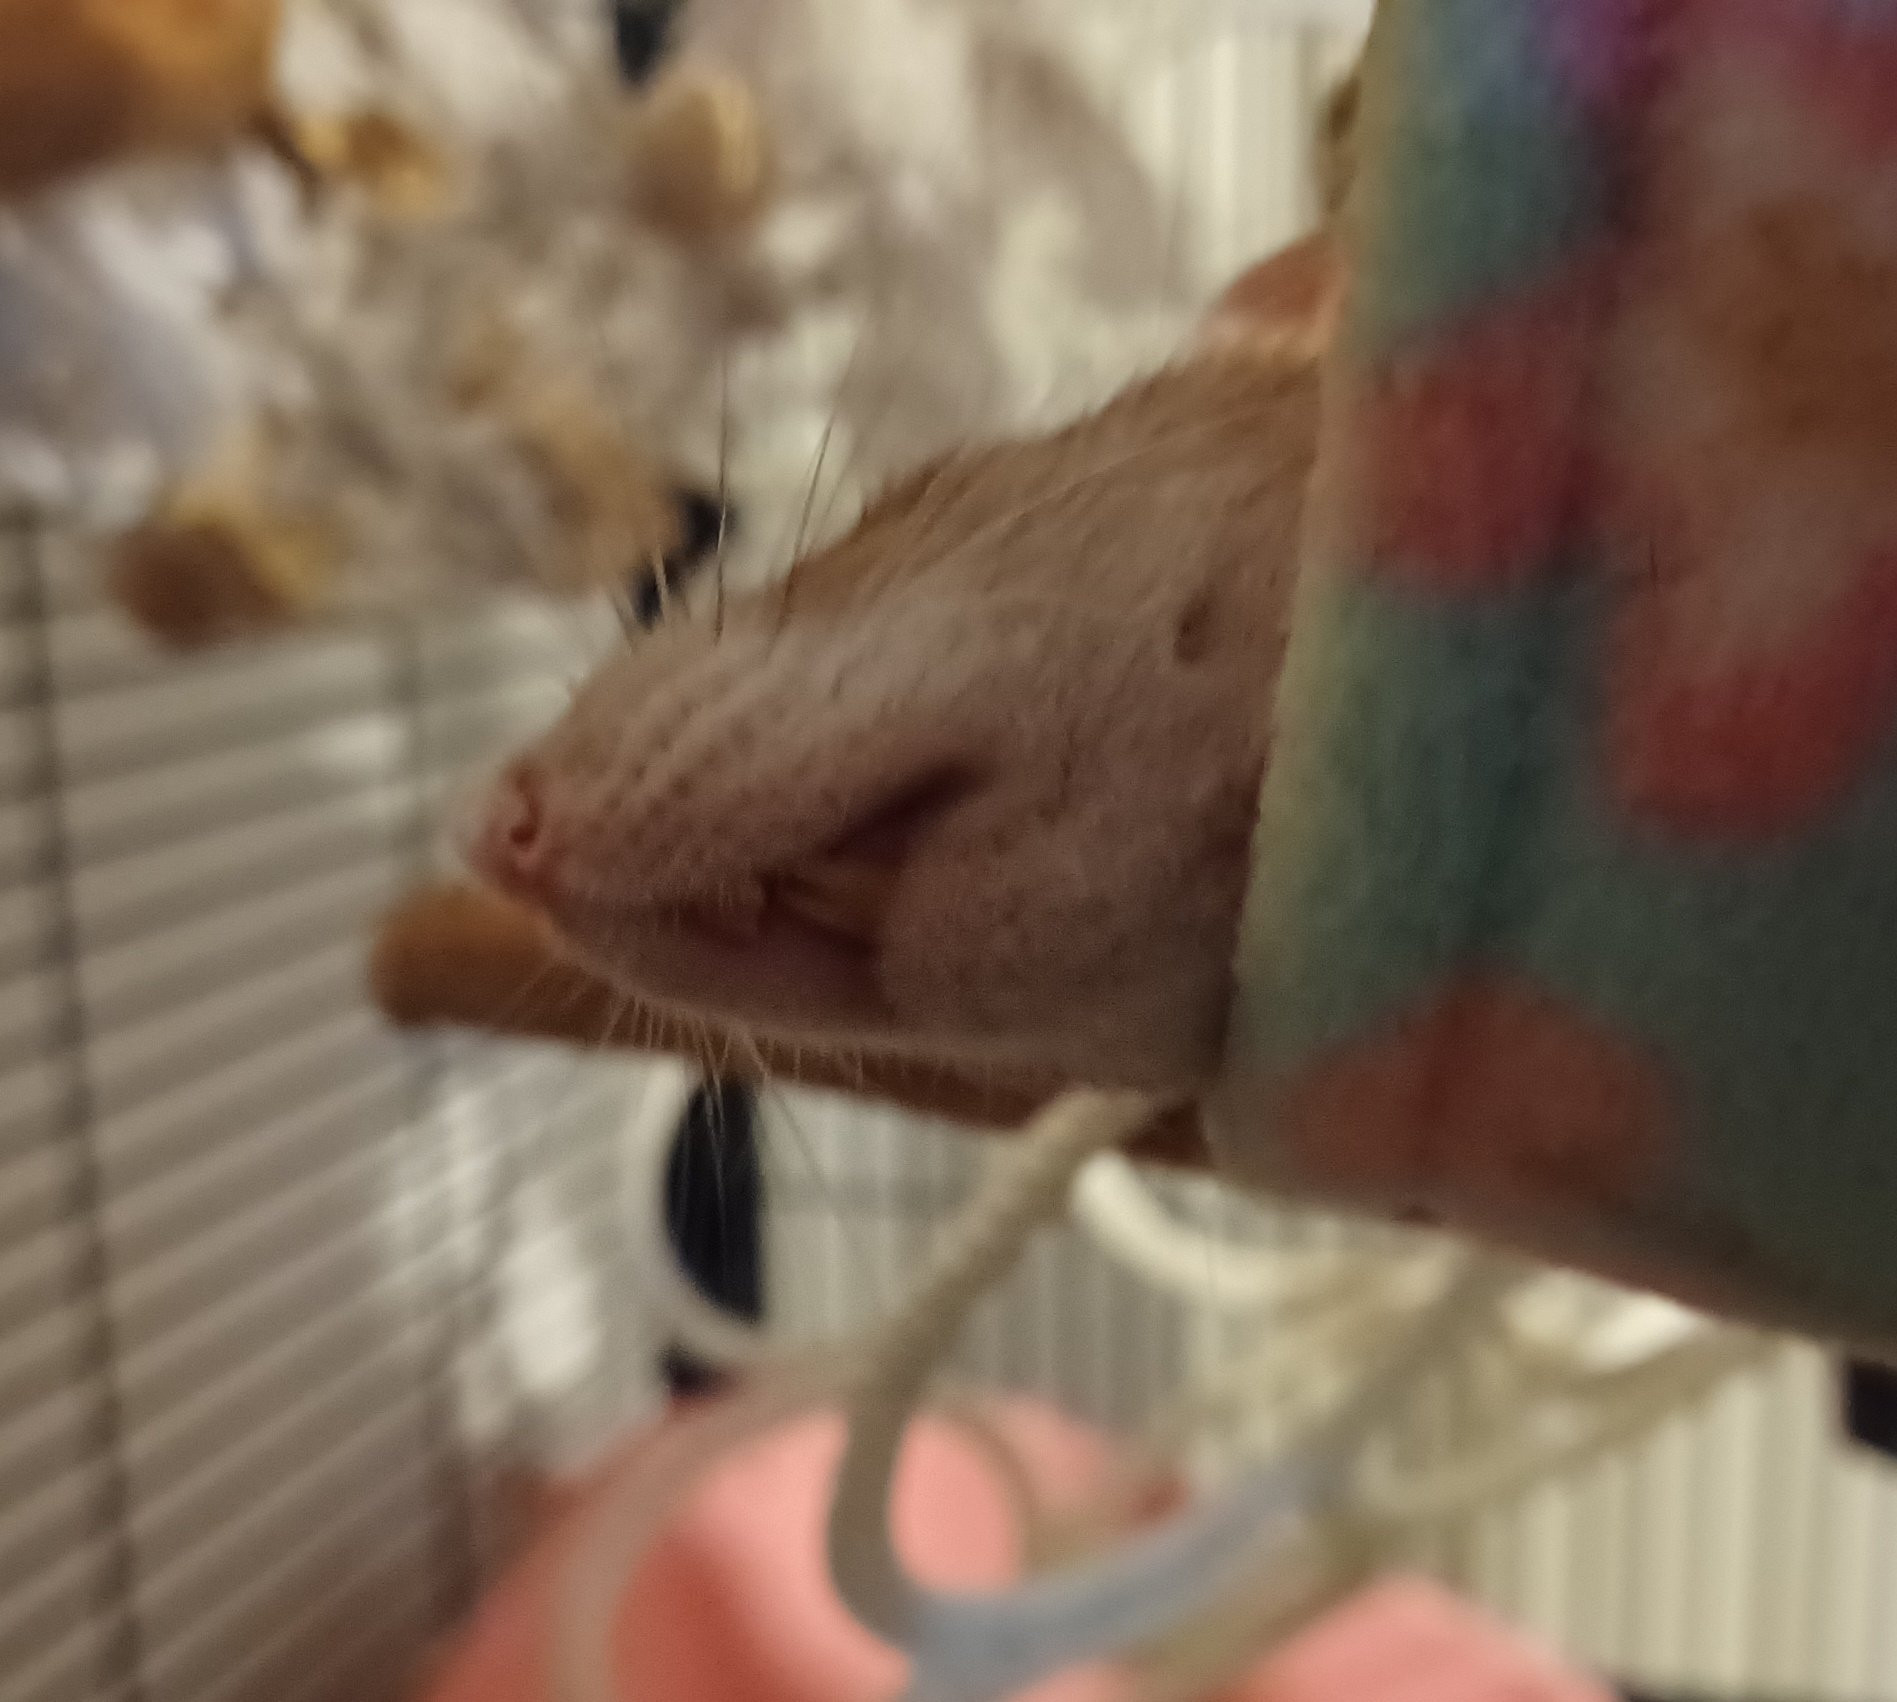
(642, 31)
(1870, 1407)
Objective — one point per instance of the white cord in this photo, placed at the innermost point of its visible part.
(976, 1648)
(1027, 1187)
(681, 1310)
(1128, 1222)
(1497, 1469)
(1399, 1320)
(1329, 1333)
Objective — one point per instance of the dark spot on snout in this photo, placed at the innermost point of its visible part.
(1192, 632)
(702, 521)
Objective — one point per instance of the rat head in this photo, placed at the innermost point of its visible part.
(976, 784)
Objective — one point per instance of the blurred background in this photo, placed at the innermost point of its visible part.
(289, 1304)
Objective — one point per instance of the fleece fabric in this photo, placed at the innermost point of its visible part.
(1574, 916)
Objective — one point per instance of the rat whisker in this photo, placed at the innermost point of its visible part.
(629, 622)
(711, 1092)
(929, 521)
(818, 461)
(570, 1004)
(517, 1002)
(715, 1044)
(754, 1053)
(634, 622)
(662, 576)
(722, 1064)
(724, 489)
(516, 1007)
(810, 496)
(615, 1014)
(859, 1061)
(695, 1043)
(866, 428)
(804, 1149)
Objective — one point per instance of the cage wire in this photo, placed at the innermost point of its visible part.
(287, 1306)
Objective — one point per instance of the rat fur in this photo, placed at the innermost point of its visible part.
(974, 786)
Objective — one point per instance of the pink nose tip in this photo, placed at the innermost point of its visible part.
(514, 848)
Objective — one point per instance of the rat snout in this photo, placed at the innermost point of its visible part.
(512, 841)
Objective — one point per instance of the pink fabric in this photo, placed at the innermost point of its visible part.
(1409, 1641)
(735, 1605)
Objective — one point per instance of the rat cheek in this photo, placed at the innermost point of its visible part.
(933, 959)
(977, 943)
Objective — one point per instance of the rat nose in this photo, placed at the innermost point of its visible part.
(513, 846)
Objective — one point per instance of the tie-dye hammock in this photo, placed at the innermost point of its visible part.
(1575, 918)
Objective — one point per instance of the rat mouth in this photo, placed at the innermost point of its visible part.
(794, 944)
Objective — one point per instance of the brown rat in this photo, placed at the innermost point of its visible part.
(974, 788)
(1128, 578)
